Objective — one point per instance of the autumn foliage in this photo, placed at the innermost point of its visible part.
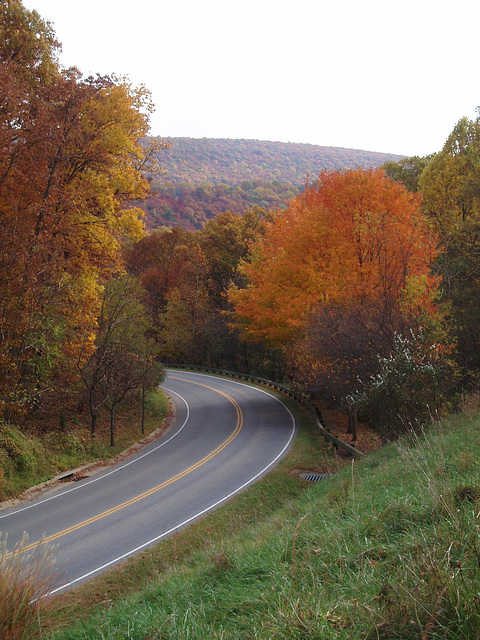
(336, 276)
(317, 291)
(70, 165)
(354, 236)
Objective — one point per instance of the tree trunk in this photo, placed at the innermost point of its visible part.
(143, 409)
(93, 421)
(352, 424)
(112, 426)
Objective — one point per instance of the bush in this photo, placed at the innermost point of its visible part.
(156, 404)
(413, 383)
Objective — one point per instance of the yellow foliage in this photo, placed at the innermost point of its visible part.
(71, 165)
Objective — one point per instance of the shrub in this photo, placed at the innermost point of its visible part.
(413, 383)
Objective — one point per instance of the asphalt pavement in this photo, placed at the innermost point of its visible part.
(226, 435)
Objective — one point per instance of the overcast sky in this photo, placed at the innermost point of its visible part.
(371, 74)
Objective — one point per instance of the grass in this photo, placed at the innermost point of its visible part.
(26, 458)
(26, 577)
(248, 509)
(387, 548)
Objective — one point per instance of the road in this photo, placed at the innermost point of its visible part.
(226, 435)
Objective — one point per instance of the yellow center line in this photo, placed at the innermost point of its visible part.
(146, 494)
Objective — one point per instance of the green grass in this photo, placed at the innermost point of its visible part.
(250, 508)
(387, 548)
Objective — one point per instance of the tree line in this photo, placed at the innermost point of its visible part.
(70, 166)
(362, 289)
(188, 206)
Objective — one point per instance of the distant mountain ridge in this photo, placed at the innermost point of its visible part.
(215, 161)
(207, 176)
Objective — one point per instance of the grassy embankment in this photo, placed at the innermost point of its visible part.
(388, 547)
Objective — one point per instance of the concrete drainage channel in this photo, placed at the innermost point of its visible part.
(314, 477)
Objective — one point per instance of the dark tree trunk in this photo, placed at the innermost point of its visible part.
(93, 421)
(143, 409)
(352, 424)
(112, 426)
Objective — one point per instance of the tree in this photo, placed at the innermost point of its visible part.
(186, 277)
(412, 384)
(161, 261)
(226, 241)
(450, 186)
(173, 271)
(408, 171)
(338, 351)
(354, 236)
(70, 166)
(125, 355)
(450, 183)
(335, 276)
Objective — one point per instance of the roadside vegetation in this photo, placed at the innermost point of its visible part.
(388, 547)
(26, 578)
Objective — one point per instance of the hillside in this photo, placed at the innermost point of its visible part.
(217, 161)
(206, 176)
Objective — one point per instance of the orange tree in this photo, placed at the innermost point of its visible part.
(336, 274)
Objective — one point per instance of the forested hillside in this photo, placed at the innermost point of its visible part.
(204, 177)
(234, 161)
(329, 285)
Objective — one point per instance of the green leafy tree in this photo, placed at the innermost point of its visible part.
(125, 356)
(227, 241)
(408, 171)
(450, 186)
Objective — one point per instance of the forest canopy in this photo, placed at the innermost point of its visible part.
(203, 177)
(216, 161)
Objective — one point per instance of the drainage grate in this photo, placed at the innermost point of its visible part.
(314, 477)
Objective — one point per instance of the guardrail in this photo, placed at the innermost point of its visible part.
(299, 397)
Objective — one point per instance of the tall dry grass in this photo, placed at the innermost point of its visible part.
(26, 577)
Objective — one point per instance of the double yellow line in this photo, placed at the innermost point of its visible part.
(146, 494)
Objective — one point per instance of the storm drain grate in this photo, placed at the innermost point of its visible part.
(314, 477)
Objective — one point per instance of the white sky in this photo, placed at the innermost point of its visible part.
(372, 74)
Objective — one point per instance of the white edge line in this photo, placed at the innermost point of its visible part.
(197, 515)
(105, 475)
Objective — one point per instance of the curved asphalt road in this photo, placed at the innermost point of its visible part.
(226, 435)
